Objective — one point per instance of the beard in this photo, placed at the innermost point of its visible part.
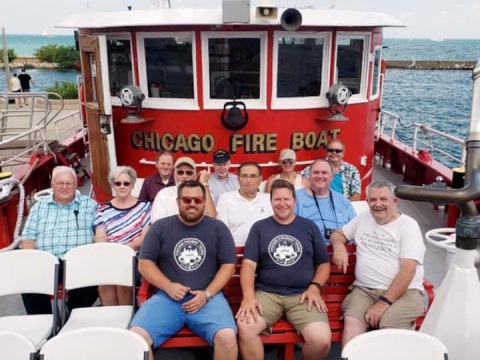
(191, 217)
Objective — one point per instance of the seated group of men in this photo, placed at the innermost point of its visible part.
(189, 255)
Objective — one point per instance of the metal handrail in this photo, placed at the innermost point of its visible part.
(36, 134)
(389, 124)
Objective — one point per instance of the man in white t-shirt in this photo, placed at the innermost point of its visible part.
(387, 291)
(165, 203)
(240, 209)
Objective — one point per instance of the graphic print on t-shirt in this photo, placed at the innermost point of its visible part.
(189, 254)
(285, 250)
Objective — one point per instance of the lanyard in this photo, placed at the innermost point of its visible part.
(332, 205)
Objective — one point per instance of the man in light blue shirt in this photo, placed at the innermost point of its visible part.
(329, 209)
(57, 224)
(222, 180)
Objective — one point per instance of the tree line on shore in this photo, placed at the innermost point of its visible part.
(65, 57)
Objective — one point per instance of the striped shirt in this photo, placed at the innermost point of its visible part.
(122, 225)
(57, 228)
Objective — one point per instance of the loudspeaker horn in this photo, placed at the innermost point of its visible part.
(291, 19)
(266, 12)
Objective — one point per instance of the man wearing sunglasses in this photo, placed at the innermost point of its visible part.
(165, 203)
(189, 257)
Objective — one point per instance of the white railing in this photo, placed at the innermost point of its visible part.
(443, 147)
(28, 130)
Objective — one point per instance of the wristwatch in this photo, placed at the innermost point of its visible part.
(317, 284)
(208, 296)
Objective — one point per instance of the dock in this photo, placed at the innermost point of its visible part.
(431, 64)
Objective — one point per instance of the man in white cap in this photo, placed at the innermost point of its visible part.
(222, 180)
(165, 203)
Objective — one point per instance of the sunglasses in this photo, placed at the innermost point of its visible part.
(287, 161)
(338, 151)
(120, 183)
(187, 200)
(187, 172)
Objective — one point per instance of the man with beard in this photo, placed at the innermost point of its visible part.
(189, 258)
(239, 209)
(387, 291)
(284, 267)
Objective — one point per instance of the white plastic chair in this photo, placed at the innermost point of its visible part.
(98, 343)
(137, 187)
(360, 206)
(394, 344)
(14, 346)
(30, 271)
(98, 264)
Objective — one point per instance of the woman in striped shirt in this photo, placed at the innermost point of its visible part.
(124, 220)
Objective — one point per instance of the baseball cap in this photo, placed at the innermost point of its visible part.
(221, 156)
(185, 160)
(287, 154)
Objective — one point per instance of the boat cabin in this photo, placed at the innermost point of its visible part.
(249, 80)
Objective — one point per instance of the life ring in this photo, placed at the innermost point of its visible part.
(42, 194)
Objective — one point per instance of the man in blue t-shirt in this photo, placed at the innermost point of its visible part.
(329, 209)
(189, 257)
(284, 267)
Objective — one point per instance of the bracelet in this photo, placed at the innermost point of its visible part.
(385, 300)
(205, 184)
(317, 284)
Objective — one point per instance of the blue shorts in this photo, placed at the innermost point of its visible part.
(162, 317)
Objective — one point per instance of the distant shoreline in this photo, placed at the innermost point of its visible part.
(431, 64)
(33, 62)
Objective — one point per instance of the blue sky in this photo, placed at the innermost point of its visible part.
(424, 18)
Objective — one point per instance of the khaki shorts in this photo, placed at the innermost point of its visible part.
(276, 306)
(401, 315)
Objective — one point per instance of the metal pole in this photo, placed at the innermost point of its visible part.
(5, 59)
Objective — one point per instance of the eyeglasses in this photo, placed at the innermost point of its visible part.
(338, 151)
(249, 176)
(287, 161)
(120, 183)
(64, 184)
(187, 200)
(187, 172)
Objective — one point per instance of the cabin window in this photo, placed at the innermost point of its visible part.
(166, 67)
(352, 50)
(119, 64)
(234, 68)
(377, 62)
(300, 69)
(169, 67)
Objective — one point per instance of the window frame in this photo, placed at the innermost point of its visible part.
(165, 103)
(209, 103)
(308, 101)
(376, 95)
(115, 100)
(367, 38)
